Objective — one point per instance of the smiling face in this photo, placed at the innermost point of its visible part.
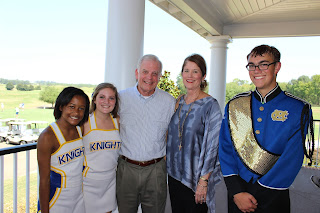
(105, 100)
(264, 80)
(74, 111)
(148, 76)
(192, 76)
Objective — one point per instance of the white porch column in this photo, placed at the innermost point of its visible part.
(218, 68)
(124, 44)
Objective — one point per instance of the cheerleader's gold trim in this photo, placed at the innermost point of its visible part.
(252, 155)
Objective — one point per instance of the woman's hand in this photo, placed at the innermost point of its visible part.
(201, 192)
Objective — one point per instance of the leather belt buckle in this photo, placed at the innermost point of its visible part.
(141, 163)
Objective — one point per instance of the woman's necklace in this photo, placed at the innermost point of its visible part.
(180, 130)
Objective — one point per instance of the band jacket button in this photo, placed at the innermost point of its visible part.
(257, 132)
(259, 119)
(261, 108)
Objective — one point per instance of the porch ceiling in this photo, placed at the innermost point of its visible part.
(246, 18)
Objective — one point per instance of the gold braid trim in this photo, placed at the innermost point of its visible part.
(249, 150)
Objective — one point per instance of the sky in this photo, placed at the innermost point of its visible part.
(65, 41)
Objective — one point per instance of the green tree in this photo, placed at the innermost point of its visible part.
(24, 87)
(168, 85)
(304, 79)
(300, 88)
(180, 85)
(9, 86)
(49, 94)
(283, 85)
(315, 89)
(31, 87)
(237, 86)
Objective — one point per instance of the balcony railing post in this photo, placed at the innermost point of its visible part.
(15, 150)
(15, 182)
(27, 181)
(1, 183)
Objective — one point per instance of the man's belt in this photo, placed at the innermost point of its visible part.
(256, 158)
(141, 163)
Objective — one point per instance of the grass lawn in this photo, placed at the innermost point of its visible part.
(316, 112)
(8, 194)
(316, 116)
(34, 108)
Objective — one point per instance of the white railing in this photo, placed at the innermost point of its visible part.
(15, 150)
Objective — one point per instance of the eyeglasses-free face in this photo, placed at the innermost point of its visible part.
(262, 66)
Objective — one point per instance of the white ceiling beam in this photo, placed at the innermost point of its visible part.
(158, 1)
(195, 26)
(247, 6)
(269, 3)
(254, 5)
(261, 4)
(282, 29)
(173, 9)
(201, 31)
(185, 18)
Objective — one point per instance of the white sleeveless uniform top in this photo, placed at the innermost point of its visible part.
(101, 150)
(67, 161)
(66, 174)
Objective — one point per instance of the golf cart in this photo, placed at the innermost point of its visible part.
(24, 132)
(4, 127)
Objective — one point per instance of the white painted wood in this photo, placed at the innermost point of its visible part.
(219, 17)
(27, 181)
(254, 5)
(247, 6)
(218, 68)
(269, 3)
(1, 183)
(15, 182)
(285, 29)
(124, 46)
(261, 4)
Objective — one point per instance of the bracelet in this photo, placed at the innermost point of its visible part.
(202, 178)
(202, 185)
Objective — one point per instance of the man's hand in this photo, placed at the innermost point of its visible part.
(245, 202)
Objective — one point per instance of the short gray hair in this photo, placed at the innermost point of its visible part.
(149, 57)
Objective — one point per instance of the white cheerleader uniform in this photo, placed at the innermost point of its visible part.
(66, 174)
(101, 159)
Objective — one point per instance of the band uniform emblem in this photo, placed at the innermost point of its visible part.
(279, 115)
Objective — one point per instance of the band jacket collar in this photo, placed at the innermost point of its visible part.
(269, 96)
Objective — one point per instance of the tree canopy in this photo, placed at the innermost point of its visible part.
(9, 86)
(166, 84)
(304, 87)
(49, 94)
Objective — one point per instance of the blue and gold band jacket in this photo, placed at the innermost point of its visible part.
(279, 126)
